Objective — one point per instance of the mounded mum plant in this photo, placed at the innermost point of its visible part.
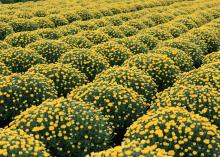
(20, 59)
(67, 127)
(121, 104)
(201, 100)
(130, 77)
(18, 92)
(160, 67)
(65, 77)
(114, 52)
(86, 61)
(179, 132)
(132, 149)
(17, 142)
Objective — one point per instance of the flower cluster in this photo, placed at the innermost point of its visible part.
(71, 16)
(138, 24)
(128, 30)
(212, 57)
(50, 49)
(160, 18)
(190, 48)
(43, 22)
(21, 39)
(149, 40)
(4, 45)
(96, 37)
(114, 52)
(189, 23)
(69, 29)
(214, 65)
(66, 127)
(64, 76)
(113, 31)
(134, 45)
(20, 25)
(5, 18)
(18, 143)
(115, 21)
(86, 61)
(101, 23)
(76, 41)
(24, 14)
(40, 12)
(175, 31)
(18, 92)
(49, 33)
(4, 70)
(121, 104)
(179, 132)
(180, 58)
(20, 59)
(129, 50)
(86, 25)
(84, 14)
(133, 148)
(161, 34)
(202, 100)
(130, 77)
(159, 66)
(58, 20)
(5, 30)
(210, 39)
(148, 22)
(201, 76)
